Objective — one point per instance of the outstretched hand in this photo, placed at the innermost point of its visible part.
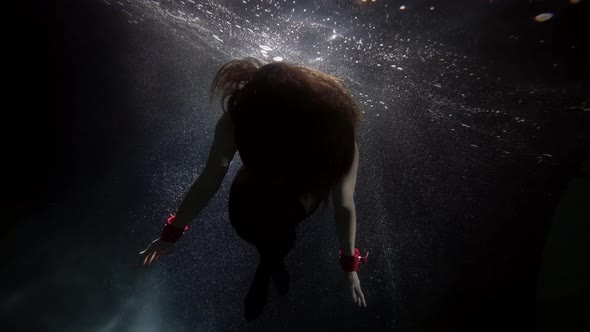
(354, 285)
(154, 251)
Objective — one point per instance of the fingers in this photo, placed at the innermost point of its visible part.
(143, 255)
(147, 259)
(361, 296)
(358, 297)
(151, 257)
(145, 250)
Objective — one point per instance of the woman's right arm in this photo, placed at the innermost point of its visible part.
(345, 215)
(344, 209)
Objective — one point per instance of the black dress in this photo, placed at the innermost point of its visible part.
(265, 215)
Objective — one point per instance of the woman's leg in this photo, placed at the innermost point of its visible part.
(267, 218)
(274, 250)
(264, 216)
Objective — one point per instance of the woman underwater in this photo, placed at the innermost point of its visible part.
(294, 128)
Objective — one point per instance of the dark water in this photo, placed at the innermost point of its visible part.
(472, 193)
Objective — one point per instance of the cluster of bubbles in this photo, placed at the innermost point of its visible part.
(347, 43)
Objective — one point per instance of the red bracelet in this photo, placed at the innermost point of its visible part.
(351, 263)
(171, 233)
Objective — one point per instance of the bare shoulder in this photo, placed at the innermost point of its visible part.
(223, 148)
(224, 131)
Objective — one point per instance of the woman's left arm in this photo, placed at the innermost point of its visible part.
(203, 189)
(206, 185)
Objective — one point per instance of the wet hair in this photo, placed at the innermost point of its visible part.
(290, 122)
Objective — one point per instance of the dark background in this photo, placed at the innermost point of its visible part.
(74, 120)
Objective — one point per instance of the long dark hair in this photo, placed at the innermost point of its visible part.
(291, 122)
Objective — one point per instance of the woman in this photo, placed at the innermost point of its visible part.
(294, 128)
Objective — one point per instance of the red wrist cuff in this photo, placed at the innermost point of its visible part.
(351, 263)
(171, 233)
